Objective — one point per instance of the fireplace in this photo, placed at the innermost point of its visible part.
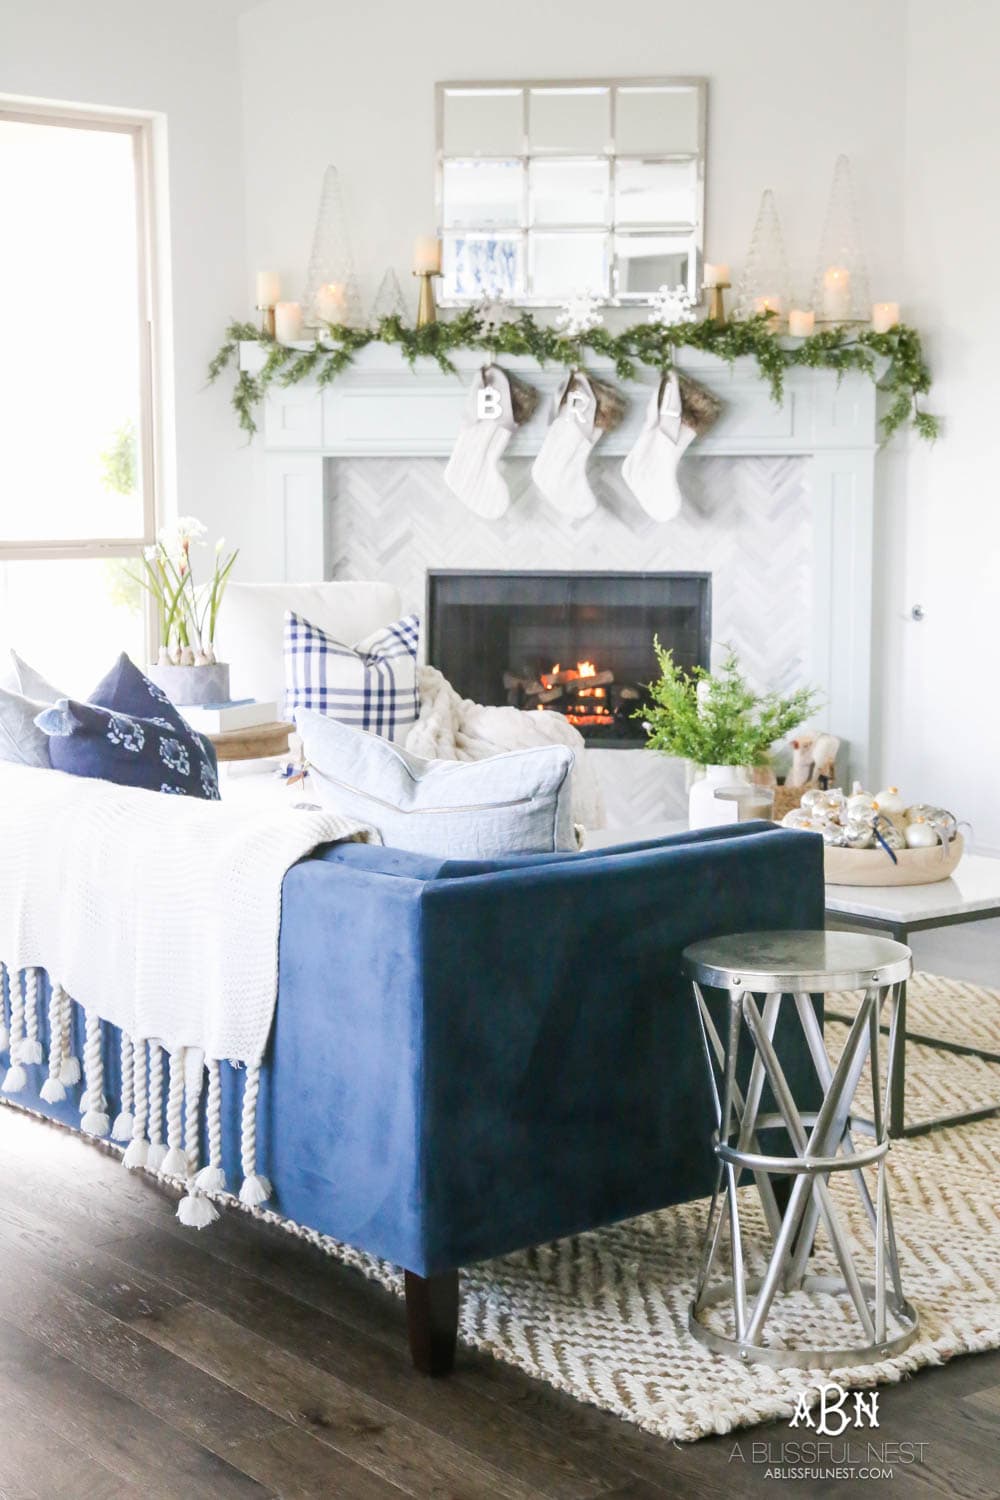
(580, 644)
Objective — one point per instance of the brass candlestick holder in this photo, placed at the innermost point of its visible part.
(266, 320)
(426, 306)
(716, 300)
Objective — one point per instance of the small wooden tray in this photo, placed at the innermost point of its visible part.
(874, 867)
(254, 743)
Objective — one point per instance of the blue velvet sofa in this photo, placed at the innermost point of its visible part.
(472, 1057)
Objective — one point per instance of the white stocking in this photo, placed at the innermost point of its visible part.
(560, 470)
(650, 470)
(473, 470)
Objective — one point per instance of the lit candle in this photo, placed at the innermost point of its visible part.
(268, 288)
(716, 275)
(801, 324)
(836, 293)
(885, 315)
(427, 254)
(768, 304)
(287, 322)
(330, 303)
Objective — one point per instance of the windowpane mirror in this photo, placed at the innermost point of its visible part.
(549, 188)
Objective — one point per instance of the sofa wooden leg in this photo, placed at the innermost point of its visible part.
(432, 1320)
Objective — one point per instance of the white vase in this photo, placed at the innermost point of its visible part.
(705, 810)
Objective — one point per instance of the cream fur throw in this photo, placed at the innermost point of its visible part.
(454, 728)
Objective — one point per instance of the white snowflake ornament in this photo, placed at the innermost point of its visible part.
(581, 313)
(671, 305)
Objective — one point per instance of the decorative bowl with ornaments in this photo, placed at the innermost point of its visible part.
(879, 839)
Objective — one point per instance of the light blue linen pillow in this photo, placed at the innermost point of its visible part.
(21, 741)
(516, 803)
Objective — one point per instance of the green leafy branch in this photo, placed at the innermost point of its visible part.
(718, 720)
(905, 379)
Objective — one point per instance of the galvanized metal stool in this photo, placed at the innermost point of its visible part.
(789, 968)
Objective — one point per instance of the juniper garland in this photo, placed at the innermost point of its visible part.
(905, 378)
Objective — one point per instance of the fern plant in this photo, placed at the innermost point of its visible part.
(718, 720)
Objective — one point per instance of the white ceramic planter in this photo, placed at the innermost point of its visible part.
(192, 685)
(705, 810)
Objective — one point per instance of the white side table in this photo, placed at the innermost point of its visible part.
(972, 894)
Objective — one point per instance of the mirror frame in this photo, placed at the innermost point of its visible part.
(699, 87)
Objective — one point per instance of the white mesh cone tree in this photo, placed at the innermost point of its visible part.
(765, 277)
(389, 301)
(840, 291)
(331, 260)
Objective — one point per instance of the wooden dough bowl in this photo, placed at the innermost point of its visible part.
(874, 867)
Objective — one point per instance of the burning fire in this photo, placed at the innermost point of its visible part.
(558, 677)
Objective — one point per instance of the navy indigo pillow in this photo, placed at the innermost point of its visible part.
(86, 740)
(126, 690)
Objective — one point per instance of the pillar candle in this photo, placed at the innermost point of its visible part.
(885, 315)
(426, 254)
(287, 322)
(836, 298)
(716, 275)
(330, 303)
(268, 288)
(800, 323)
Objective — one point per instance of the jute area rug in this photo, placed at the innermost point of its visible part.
(603, 1315)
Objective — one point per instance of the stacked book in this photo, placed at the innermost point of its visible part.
(224, 718)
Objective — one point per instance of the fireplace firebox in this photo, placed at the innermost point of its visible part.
(580, 644)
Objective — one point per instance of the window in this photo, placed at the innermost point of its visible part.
(549, 188)
(77, 495)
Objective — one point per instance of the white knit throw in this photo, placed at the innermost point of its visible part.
(455, 728)
(158, 915)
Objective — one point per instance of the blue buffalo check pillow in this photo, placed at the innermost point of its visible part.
(371, 685)
(130, 733)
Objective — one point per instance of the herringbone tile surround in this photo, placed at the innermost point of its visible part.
(745, 520)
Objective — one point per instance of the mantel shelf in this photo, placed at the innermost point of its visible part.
(380, 406)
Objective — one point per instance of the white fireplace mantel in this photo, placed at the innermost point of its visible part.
(380, 407)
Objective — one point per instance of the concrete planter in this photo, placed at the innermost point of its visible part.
(192, 685)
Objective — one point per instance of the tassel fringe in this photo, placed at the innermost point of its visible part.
(255, 1189)
(136, 1154)
(15, 1079)
(93, 1103)
(69, 1073)
(121, 1130)
(31, 1048)
(196, 1212)
(95, 1122)
(175, 1163)
(139, 1122)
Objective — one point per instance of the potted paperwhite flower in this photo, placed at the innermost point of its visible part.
(187, 614)
(720, 724)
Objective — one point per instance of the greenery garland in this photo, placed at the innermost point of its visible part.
(905, 379)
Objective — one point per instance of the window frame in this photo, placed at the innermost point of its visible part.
(524, 231)
(140, 129)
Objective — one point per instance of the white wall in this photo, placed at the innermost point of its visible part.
(791, 86)
(909, 95)
(181, 60)
(941, 539)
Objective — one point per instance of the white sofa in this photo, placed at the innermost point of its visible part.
(251, 626)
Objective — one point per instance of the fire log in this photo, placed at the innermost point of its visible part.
(572, 678)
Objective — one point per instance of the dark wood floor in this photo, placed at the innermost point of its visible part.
(139, 1359)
